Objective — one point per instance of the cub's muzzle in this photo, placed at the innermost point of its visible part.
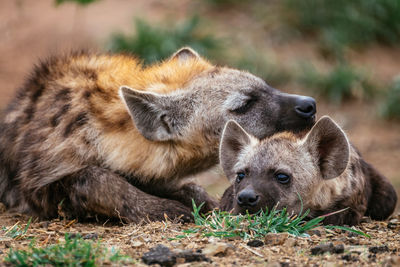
(247, 198)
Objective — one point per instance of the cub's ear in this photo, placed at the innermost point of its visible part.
(184, 54)
(154, 115)
(329, 146)
(234, 139)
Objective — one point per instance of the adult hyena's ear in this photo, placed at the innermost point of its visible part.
(329, 145)
(185, 54)
(233, 141)
(157, 117)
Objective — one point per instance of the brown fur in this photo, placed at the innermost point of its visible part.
(327, 173)
(71, 136)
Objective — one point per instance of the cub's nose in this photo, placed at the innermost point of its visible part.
(305, 107)
(247, 197)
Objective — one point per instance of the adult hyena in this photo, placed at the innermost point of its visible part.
(74, 135)
(322, 169)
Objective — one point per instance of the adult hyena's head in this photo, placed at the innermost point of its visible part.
(196, 109)
(282, 169)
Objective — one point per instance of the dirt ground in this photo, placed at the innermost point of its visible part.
(31, 31)
(345, 248)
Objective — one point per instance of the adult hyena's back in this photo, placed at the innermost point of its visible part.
(48, 132)
(9, 193)
(68, 138)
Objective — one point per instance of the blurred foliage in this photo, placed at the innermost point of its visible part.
(390, 107)
(258, 64)
(336, 24)
(79, 2)
(342, 23)
(342, 83)
(224, 3)
(152, 43)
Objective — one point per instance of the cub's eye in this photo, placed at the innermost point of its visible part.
(240, 176)
(282, 178)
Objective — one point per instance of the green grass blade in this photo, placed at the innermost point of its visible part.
(331, 227)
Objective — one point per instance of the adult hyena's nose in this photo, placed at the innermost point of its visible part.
(305, 107)
(247, 198)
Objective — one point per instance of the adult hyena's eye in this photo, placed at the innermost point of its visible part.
(240, 176)
(282, 178)
(245, 106)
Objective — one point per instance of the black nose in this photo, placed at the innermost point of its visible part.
(305, 107)
(247, 197)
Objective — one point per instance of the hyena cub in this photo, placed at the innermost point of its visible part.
(323, 168)
(74, 134)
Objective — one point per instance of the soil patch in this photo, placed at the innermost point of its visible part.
(156, 243)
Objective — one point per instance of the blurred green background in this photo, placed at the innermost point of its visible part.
(344, 53)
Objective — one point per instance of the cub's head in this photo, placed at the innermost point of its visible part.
(279, 169)
(188, 100)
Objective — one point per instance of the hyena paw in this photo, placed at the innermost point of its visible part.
(174, 210)
(193, 191)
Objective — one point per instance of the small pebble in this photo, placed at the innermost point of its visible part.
(378, 249)
(217, 249)
(163, 256)
(255, 243)
(393, 225)
(323, 248)
(338, 249)
(159, 255)
(314, 232)
(365, 219)
(7, 244)
(290, 242)
(191, 256)
(349, 257)
(92, 236)
(44, 224)
(351, 234)
(137, 244)
(275, 239)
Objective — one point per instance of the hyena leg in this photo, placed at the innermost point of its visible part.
(347, 217)
(100, 191)
(383, 198)
(227, 199)
(183, 193)
(189, 191)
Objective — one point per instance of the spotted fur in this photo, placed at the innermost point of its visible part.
(104, 135)
(326, 173)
